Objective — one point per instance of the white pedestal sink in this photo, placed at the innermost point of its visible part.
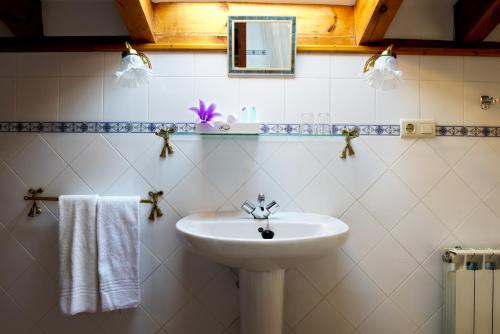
(232, 238)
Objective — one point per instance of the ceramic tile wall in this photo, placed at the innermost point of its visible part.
(403, 199)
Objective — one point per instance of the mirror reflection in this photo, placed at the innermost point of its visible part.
(262, 46)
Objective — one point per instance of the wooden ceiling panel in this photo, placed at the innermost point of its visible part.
(22, 17)
(475, 19)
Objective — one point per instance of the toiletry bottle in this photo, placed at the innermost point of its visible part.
(244, 114)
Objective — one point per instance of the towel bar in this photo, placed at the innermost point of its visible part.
(36, 210)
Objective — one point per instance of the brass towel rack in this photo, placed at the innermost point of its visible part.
(154, 197)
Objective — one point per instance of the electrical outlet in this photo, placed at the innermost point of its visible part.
(417, 128)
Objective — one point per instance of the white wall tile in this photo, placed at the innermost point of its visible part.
(387, 319)
(327, 271)
(312, 65)
(99, 165)
(352, 100)
(442, 101)
(34, 291)
(228, 167)
(171, 98)
(451, 200)
(81, 99)
(12, 256)
(221, 91)
(183, 322)
(410, 65)
(356, 296)
(393, 105)
(210, 64)
(300, 297)
(347, 66)
(409, 169)
(13, 319)
(43, 64)
(133, 321)
(82, 64)
(160, 236)
(306, 95)
(152, 167)
(267, 95)
(8, 64)
(37, 99)
(293, 180)
(473, 114)
(324, 319)
(420, 232)
(419, 297)
(48, 163)
(358, 172)
(480, 229)
(478, 168)
(220, 296)
(193, 270)
(163, 295)
(441, 68)
(172, 64)
(123, 103)
(484, 69)
(364, 232)
(192, 287)
(388, 265)
(389, 199)
(112, 61)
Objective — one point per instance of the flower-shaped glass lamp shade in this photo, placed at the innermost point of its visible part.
(135, 69)
(382, 71)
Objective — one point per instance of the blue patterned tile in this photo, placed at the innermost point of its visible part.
(265, 128)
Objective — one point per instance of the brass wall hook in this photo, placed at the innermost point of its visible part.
(349, 135)
(35, 209)
(155, 209)
(165, 133)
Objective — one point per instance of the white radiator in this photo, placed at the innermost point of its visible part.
(472, 291)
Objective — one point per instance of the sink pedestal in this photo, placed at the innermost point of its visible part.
(261, 301)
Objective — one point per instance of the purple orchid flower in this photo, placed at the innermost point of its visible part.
(205, 114)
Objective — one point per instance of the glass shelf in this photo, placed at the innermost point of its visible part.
(259, 134)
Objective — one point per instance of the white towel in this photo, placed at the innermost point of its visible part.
(118, 254)
(79, 291)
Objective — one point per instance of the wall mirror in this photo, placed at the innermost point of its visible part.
(261, 45)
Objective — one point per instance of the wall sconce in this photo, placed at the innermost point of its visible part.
(487, 101)
(382, 71)
(135, 68)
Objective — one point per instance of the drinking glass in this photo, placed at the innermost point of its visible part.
(323, 126)
(307, 123)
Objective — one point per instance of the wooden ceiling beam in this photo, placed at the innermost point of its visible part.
(138, 16)
(22, 17)
(475, 19)
(372, 19)
(110, 43)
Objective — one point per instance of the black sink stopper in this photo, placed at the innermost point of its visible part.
(260, 229)
(267, 234)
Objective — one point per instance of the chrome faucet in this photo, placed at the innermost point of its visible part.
(262, 211)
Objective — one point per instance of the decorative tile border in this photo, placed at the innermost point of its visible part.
(265, 128)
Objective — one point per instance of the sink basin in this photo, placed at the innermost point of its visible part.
(232, 238)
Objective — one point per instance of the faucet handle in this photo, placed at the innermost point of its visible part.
(248, 207)
(272, 207)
